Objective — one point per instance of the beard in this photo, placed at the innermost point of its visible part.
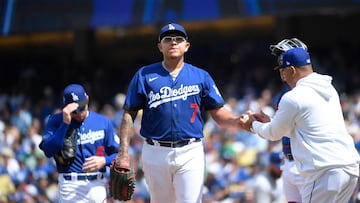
(275, 174)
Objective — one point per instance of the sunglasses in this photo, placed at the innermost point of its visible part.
(177, 39)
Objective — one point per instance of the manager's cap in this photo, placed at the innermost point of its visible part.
(75, 93)
(294, 57)
(172, 28)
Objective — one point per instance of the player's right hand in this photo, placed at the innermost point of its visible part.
(262, 117)
(67, 110)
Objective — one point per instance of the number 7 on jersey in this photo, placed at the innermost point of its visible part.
(196, 110)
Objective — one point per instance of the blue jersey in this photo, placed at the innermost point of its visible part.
(96, 136)
(172, 108)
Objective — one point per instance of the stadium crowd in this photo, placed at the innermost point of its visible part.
(233, 158)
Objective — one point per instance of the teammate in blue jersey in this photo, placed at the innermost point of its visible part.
(172, 95)
(81, 178)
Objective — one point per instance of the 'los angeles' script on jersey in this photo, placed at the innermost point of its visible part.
(91, 137)
(167, 94)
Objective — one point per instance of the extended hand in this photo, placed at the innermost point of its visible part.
(246, 120)
(261, 117)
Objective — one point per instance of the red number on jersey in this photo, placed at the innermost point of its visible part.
(100, 151)
(196, 110)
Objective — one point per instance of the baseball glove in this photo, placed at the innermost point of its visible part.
(67, 154)
(122, 178)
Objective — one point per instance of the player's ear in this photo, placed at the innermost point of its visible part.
(293, 70)
(187, 46)
(159, 45)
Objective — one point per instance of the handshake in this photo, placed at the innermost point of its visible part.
(247, 119)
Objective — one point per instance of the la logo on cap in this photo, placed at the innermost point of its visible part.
(171, 27)
(74, 96)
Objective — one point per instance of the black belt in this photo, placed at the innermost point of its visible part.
(289, 157)
(171, 144)
(83, 176)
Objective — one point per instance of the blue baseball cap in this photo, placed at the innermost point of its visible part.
(75, 93)
(172, 28)
(276, 159)
(294, 57)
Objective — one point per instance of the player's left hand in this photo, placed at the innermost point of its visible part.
(93, 163)
(122, 178)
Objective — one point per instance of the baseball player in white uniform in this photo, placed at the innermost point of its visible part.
(292, 180)
(310, 113)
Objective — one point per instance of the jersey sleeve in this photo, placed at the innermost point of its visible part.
(135, 98)
(112, 142)
(53, 136)
(212, 97)
(282, 122)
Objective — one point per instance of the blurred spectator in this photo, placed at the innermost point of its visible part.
(108, 111)
(11, 135)
(46, 194)
(6, 186)
(33, 137)
(23, 175)
(21, 116)
(9, 163)
(119, 100)
(267, 185)
(141, 194)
